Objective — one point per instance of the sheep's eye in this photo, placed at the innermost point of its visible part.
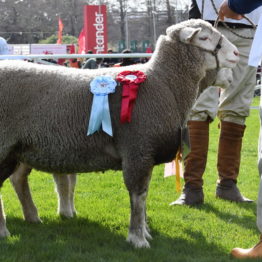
(203, 38)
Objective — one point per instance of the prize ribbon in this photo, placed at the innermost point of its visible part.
(101, 86)
(130, 81)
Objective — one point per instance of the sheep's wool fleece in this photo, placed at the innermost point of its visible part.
(44, 111)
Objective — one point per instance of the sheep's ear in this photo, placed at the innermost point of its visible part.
(187, 34)
(170, 31)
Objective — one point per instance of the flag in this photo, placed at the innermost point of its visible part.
(60, 31)
(82, 43)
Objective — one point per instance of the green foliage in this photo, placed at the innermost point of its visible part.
(49, 40)
(67, 39)
(181, 234)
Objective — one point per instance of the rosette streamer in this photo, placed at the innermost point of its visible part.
(101, 86)
(130, 81)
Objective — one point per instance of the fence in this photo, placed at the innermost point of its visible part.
(37, 58)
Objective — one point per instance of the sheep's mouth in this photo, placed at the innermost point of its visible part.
(232, 61)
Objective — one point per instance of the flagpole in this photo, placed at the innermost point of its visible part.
(127, 33)
(99, 7)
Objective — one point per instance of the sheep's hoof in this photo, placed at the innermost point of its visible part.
(4, 233)
(137, 242)
(34, 220)
(66, 213)
(31, 215)
(66, 216)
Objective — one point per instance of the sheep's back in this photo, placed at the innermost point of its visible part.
(47, 109)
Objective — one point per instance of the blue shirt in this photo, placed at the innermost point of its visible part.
(244, 6)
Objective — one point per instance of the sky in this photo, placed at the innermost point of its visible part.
(137, 4)
(179, 3)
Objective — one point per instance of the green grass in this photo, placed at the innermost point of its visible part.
(98, 233)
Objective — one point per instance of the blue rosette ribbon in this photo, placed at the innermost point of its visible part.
(101, 86)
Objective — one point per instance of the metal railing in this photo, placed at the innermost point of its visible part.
(70, 56)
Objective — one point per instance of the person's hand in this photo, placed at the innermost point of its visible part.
(225, 11)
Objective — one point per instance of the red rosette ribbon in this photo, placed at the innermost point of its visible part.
(130, 81)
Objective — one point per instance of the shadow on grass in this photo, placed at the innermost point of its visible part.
(248, 222)
(79, 239)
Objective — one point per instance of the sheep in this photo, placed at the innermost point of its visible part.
(48, 132)
(65, 186)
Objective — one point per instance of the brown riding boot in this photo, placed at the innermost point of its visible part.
(254, 252)
(228, 162)
(195, 164)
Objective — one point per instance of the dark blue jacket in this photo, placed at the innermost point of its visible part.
(244, 6)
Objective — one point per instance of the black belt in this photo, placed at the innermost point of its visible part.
(232, 25)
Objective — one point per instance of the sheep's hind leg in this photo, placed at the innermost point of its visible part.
(3, 229)
(64, 191)
(137, 185)
(8, 162)
(19, 181)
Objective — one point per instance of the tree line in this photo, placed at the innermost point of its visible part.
(29, 21)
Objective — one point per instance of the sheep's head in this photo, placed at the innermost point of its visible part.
(217, 49)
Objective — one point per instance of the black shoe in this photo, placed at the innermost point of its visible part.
(190, 197)
(229, 191)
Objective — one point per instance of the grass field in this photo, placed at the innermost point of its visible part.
(181, 234)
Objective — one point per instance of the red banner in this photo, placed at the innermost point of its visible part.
(95, 28)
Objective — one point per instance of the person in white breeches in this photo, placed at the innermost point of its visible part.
(230, 105)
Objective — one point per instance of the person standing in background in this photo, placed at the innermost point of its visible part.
(109, 62)
(92, 63)
(231, 107)
(74, 62)
(126, 61)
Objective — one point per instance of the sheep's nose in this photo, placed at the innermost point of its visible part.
(236, 53)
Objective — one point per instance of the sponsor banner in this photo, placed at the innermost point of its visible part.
(48, 49)
(95, 28)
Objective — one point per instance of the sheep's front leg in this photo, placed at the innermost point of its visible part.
(72, 184)
(138, 231)
(65, 190)
(3, 229)
(19, 180)
(137, 185)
